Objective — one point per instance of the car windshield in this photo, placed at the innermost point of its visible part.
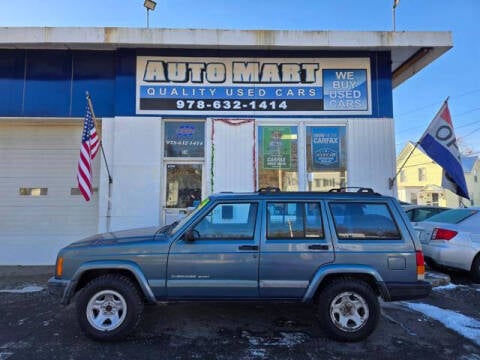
(178, 224)
(453, 216)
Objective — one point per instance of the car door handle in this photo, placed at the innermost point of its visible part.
(317, 247)
(248, 247)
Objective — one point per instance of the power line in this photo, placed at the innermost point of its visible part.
(437, 103)
(471, 133)
(456, 116)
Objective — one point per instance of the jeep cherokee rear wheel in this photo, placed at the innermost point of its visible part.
(109, 307)
(348, 310)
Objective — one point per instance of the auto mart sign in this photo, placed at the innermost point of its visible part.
(227, 86)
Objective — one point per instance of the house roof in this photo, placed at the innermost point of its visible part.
(410, 51)
(468, 162)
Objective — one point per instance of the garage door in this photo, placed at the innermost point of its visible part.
(41, 209)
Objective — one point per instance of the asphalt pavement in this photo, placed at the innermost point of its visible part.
(35, 326)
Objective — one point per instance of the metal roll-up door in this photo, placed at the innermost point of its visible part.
(40, 208)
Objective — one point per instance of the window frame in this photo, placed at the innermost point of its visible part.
(422, 174)
(364, 239)
(304, 237)
(220, 203)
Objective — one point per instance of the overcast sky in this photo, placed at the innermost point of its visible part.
(455, 74)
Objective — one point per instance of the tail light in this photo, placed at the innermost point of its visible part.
(443, 234)
(420, 265)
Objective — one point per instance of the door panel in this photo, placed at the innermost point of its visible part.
(294, 246)
(222, 260)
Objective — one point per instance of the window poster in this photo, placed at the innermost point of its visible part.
(327, 148)
(184, 139)
(277, 150)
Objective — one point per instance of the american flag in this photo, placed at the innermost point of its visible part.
(88, 150)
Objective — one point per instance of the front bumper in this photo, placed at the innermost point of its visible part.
(59, 288)
(408, 291)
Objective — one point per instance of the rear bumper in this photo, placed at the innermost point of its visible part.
(407, 291)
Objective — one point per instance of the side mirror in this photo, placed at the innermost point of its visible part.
(189, 235)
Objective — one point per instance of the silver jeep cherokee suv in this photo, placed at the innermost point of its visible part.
(340, 250)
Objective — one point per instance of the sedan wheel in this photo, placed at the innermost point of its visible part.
(475, 271)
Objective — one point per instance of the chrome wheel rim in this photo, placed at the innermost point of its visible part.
(106, 310)
(349, 311)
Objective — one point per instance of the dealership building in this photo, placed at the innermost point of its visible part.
(186, 113)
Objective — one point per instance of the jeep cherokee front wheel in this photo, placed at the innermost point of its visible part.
(348, 310)
(109, 307)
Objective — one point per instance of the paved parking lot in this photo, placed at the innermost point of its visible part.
(444, 326)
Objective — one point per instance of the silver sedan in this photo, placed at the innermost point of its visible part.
(452, 239)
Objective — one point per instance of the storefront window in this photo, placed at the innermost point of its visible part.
(326, 157)
(278, 157)
(184, 185)
(184, 139)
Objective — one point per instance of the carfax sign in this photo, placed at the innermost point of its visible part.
(326, 149)
(235, 86)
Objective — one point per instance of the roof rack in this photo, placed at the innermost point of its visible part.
(358, 190)
(269, 189)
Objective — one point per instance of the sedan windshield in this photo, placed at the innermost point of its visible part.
(453, 216)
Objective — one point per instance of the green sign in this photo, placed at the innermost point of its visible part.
(277, 149)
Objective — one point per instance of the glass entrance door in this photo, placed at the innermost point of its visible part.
(183, 189)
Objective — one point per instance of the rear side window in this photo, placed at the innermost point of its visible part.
(289, 220)
(361, 221)
(453, 216)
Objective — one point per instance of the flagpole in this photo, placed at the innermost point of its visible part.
(110, 180)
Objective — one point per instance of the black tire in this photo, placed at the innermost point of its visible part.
(352, 302)
(475, 270)
(109, 307)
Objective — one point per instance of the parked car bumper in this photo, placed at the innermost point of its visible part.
(449, 255)
(408, 291)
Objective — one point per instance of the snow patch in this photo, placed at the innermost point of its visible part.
(470, 357)
(24, 290)
(5, 355)
(258, 353)
(284, 339)
(465, 326)
(446, 287)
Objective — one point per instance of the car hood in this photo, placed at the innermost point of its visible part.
(118, 237)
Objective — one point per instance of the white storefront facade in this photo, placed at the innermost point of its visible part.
(186, 113)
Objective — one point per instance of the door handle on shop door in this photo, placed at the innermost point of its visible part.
(317, 247)
(248, 247)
